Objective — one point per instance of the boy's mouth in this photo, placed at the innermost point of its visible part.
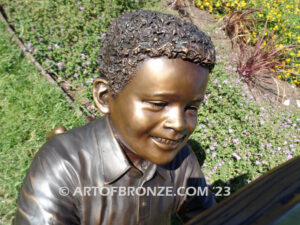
(167, 141)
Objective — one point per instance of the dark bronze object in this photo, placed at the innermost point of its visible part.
(150, 97)
(272, 199)
(60, 187)
(56, 131)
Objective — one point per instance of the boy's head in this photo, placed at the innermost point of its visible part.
(154, 71)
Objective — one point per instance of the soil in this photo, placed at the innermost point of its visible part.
(273, 91)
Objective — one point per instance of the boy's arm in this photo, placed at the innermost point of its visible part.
(43, 198)
(193, 205)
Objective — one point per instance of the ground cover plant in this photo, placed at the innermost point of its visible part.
(283, 17)
(236, 138)
(64, 36)
(240, 138)
(30, 107)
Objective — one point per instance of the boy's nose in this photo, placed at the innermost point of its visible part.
(176, 120)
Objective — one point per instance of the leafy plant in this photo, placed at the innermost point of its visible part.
(239, 138)
(283, 19)
(65, 36)
(239, 25)
(264, 60)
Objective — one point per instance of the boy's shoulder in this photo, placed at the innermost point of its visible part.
(71, 144)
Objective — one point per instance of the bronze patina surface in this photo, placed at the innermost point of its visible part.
(154, 115)
(59, 187)
(149, 93)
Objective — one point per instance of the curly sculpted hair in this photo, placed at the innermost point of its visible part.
(138, 35)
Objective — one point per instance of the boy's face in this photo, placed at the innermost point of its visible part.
(156, 112)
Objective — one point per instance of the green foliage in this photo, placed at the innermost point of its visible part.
(65, 36)
(30, 107)
(283, 19)
(240, 138)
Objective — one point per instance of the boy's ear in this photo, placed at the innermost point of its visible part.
(101, 95)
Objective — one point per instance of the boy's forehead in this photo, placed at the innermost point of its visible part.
(162, 66)
(167, 76)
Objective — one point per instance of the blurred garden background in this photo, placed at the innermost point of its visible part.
(239, 136)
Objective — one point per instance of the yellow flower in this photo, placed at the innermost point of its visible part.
(288, 60)
(279, 77)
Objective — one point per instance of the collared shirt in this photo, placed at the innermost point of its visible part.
(83, 177)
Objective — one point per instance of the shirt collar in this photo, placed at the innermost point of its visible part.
(114, 162)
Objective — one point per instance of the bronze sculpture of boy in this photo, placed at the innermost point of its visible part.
(153, 76)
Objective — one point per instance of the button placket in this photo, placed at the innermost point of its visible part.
(144, 201)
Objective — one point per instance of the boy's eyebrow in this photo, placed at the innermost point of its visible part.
(170, 95)
(166, 95)
(198, 100)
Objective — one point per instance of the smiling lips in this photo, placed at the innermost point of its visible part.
(168, 142)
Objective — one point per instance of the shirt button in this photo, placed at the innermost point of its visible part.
(144, 203)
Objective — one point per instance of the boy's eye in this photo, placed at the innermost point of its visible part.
(158, 104)
(193, 109)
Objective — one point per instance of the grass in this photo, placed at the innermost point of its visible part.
(238, 138)
(29, 108)
(70, 52)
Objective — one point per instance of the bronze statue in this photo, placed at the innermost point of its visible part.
(154, 72)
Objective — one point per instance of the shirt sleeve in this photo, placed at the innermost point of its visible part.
(194, 204)
(45, 196)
